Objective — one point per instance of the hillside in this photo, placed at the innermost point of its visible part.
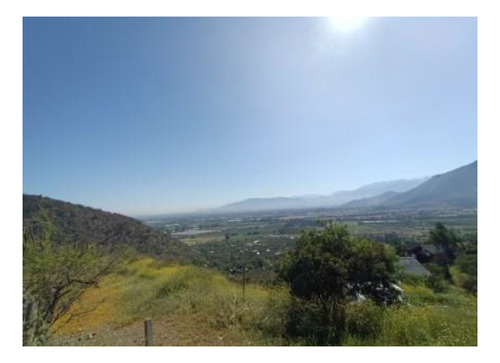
(320, 201)
(454, 189)
(79, 224)
(193, 306)
(369, 202)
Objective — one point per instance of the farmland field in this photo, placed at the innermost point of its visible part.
(256, 240)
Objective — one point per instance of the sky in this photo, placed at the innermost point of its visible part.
(159, 115)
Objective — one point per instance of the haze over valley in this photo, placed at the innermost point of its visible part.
(249, 181)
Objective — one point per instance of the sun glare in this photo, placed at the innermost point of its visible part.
(346, 24)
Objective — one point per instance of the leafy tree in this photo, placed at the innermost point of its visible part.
(448, 243)
(326, 270)
(55, 276)
(333, 264)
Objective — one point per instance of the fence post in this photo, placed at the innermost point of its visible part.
(148, 330)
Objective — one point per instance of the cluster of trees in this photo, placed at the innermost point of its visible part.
(455, 250)
(329, 270)
(231, 256)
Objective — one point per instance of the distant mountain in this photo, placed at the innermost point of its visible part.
(319, 201)
(369, 202)
(262, 204)
(77, 224)
(456, 189)
(372, 190)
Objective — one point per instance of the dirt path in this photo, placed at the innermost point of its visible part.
(167, 332)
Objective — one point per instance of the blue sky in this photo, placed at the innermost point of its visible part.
(153, 115)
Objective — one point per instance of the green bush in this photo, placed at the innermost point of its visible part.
(170, 287)
(365, 320)
(437, 283)
(328, 270)
(467, 264)
(333, 265)
(315, 322)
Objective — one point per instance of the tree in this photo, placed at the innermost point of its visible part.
(466, 261)
(326, 270)
(333, 264)
(448, 243)
(55, 276)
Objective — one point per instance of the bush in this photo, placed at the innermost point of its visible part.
(325, 272)
(315, 322)
(365, 321)
(467, 263)
(332, 264)
(437, 283)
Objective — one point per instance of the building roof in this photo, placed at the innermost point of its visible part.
(411, 266)
(431, 248)
(427, 247)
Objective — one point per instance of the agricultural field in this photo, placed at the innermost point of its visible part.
(257, 240)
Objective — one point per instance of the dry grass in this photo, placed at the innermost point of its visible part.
(193, 306)
(189, 306)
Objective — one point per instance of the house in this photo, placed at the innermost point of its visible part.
(411, 266)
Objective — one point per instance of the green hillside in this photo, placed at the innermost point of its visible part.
(79, 225)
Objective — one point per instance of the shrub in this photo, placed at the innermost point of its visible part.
(315, 321)
(437, 283)
(332, 264)
(365, 320)
(467, 263)
(326, 271)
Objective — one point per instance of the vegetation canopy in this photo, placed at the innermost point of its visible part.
(335, 265)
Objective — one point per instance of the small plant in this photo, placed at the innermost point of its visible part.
(437, 283)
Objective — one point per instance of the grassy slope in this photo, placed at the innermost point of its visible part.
(189, 306)
(195, 306)
(428, 318)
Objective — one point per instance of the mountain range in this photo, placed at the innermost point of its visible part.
(320, 201)
(456, 188)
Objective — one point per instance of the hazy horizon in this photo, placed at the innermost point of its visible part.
(145, 116)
